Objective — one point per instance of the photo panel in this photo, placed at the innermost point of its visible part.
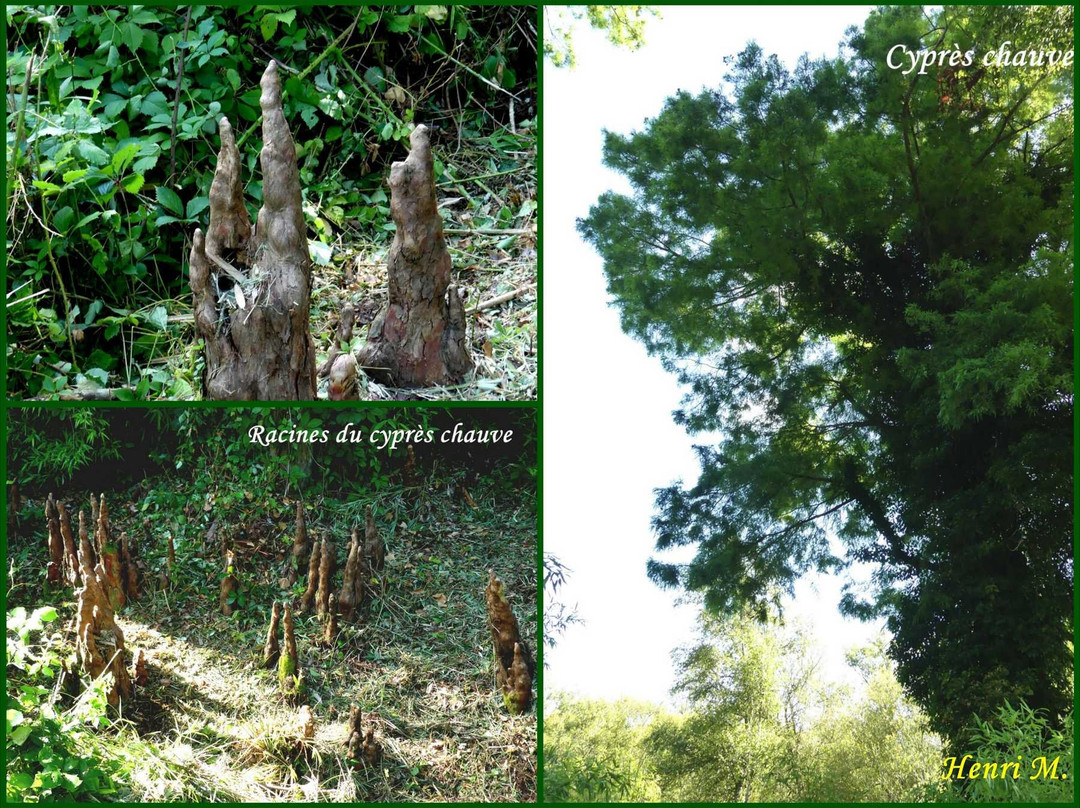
(252, 203)
(266, 604)
(817, 542)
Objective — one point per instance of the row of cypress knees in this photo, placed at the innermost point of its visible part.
(251, 285)
(105, 576)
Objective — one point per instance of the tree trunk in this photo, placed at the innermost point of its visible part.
(419, 339)
(252, 289)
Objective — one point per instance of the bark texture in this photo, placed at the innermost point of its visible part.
(342, 338)
(363, 748)
(271, 651)
(289, 662)
(99, 642)
(326, 576)
(514, 666)
(374, 547)
(344, 383)
(229, 584)
(330, 633)
(54, 572)
(108, 558)
(129, 569)
(419, 339)
(300, 546)
(139, 674)
(307, 600)
(252, 288)
(352, 588)
(72, 573)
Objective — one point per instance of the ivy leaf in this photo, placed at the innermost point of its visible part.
(169, 199)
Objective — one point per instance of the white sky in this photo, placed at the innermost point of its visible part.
(608, 435)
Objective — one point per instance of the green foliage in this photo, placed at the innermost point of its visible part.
(50, 751)
(758, 724)
(50, 451)
(1024, 735)
(623, 26)
(110, 165)
(593, 750)
(864, 280)
(558, 616)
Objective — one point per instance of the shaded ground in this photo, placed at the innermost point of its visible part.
(210, 724)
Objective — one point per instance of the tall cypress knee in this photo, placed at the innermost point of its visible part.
(252, 288)
(419, 339)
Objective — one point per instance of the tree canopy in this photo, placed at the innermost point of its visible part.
(864, 280)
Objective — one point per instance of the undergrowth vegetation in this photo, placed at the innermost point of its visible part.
(210, 723)
(111, 145)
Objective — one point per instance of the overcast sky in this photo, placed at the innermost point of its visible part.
(608, 435)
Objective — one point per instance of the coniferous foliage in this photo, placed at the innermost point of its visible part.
(864, 279)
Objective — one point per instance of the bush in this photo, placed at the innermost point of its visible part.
(50, 752)
(1017, 734)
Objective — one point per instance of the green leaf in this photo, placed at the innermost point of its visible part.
(287, 17)
(46, 614)
(159, 318)
(387, 131)
(233, 78)
(20, 781)
(48, 187)
(124, 156)
(91, 152)
(144, 164)
(268, 26)
(400, 24)
(132, 36)
(19, 735)
(72, 176)
(376, 78)
(134, 183)
(169, 199)
(434, 13)
(197, 205)
(155, 104)
(62, 218)
(88, 218)
(320, 253)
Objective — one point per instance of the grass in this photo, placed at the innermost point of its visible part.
(210, 724)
